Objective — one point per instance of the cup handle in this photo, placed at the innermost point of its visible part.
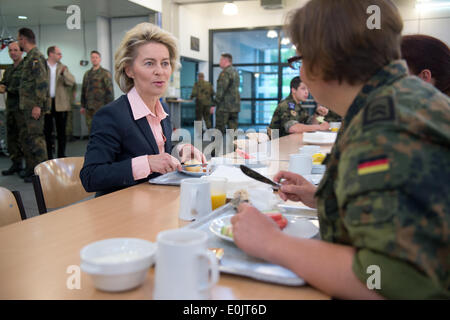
(214, 267)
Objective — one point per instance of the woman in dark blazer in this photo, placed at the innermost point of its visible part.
(130, 139)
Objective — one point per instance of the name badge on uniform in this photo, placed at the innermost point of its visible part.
(291, 106)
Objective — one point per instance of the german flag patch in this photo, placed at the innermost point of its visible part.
(373, 165)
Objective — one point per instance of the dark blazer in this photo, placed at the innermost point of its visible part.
(115, 139)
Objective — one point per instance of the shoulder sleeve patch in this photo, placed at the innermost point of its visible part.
(291, 106)
(379, 110)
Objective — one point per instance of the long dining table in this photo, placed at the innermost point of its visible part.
(39, 256)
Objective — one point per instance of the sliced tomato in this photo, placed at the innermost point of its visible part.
(278, 218)
(274, 215)
(282, 223)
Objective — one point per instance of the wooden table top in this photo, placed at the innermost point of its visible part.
(36, 253)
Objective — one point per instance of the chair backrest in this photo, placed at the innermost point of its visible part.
(57, 183)
(11, 207)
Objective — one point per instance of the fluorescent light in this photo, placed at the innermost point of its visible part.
(285, 41)
(272, 34)
(256, 75)
(155, 5)
(230, 9)
(22, 17)
(432, 5)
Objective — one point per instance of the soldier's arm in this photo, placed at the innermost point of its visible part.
(194, 91)
(222, 85)
(41, 80)
(83, 91)
(384, 200)
(109, 90)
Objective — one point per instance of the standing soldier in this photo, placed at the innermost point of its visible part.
(97, 89)
(61, 80)
(33, 97)
(228, 100)
(204, 94)
(10, 84)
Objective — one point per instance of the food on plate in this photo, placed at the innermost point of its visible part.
(227, 231)
(192, 162)
(274, 215)
(320, 119)
(278, 218)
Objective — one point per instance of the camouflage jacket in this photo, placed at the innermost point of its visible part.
(227, 95)
(288, 113)
(386, 189)
(34, 83)
(11, 79)
(97, 89)
(203, 92)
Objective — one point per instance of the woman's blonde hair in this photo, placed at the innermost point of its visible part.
(126, 53)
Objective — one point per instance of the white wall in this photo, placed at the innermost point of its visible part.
(69, 41)
(197, 19)
(119, 26)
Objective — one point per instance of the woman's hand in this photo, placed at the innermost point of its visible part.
(253, 231)
(296, 188)
(188, 152)
(163, 163)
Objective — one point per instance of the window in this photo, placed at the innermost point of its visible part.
(260, 56)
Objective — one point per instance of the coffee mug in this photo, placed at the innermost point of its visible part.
(185, 268)
(195, 199)
(300, 164)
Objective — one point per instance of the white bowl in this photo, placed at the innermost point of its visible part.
(118, 264)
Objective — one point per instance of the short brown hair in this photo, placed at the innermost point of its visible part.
(227, 56)
(141, 34)
(28, 34)
(51, 50)
(96, 52)
(333, 38)
(425, 52)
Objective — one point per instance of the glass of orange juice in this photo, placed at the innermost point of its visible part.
(218, 191)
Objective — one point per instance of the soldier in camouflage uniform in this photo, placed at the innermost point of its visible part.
(10, 83)
(34, 102)
(97, 89)
(228, 100)
(204, 94)
(383, 204)
(290, 116)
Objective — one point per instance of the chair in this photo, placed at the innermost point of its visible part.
(11, 207)
(57, 183)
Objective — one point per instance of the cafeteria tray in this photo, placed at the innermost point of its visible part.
(235, 261)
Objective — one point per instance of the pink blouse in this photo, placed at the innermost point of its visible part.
(139, 165)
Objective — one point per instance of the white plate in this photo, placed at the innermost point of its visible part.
(319, 137)
(195, 174)
(296, 227)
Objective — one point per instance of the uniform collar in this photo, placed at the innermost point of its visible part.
(385, 76)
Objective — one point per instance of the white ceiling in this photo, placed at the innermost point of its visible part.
(43, 11)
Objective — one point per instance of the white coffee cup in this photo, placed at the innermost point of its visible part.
(183, 266)
(309, 149)
(300, 163)
(195, 199)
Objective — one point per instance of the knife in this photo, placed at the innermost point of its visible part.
(259, 177)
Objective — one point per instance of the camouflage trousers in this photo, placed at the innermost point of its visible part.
(89, 116)
(32, 135)
(15, 144)
(203, 112)
(229, 119)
